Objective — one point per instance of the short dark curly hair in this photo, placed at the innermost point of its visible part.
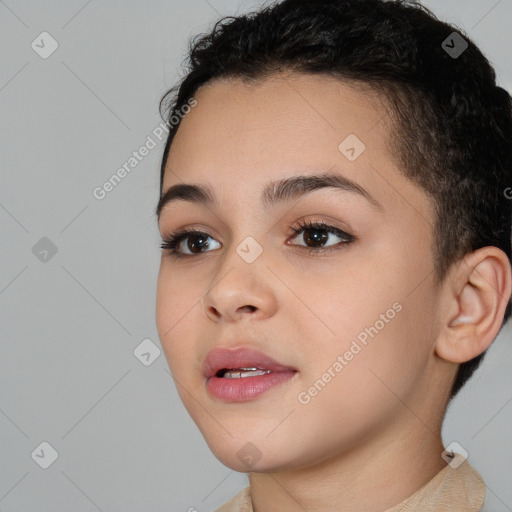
(453, 124)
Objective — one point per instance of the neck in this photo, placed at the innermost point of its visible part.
(373, 476)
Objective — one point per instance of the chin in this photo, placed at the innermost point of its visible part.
(241, 455)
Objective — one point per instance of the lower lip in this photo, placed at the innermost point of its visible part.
(245, 388)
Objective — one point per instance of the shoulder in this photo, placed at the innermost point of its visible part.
(241, 502)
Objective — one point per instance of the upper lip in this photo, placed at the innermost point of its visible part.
(219, 358)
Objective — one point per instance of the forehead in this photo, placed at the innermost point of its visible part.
(241, 136)
(277, 118)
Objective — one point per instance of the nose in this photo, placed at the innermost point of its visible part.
(240, 291)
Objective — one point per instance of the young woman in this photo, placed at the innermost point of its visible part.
(336, 251)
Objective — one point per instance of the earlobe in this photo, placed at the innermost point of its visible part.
(477, 292)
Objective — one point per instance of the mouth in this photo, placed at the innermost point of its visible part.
(240, 363)
(241, 373)
(237, 375)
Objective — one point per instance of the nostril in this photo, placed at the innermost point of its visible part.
(212, 311)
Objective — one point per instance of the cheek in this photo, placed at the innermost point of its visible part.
(370, 319)
(361, 376)
(343, 299)
(178, 305)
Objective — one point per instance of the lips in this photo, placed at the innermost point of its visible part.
(232, 359)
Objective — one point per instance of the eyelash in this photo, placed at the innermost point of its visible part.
(172, 241)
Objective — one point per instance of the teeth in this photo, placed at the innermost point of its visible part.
(244, 372)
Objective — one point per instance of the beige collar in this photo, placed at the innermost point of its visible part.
(458, 487)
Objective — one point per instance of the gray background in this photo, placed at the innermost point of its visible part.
(71, 323)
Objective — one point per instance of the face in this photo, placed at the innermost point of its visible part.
(350, 305)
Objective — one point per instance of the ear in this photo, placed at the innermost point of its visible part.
(474, 297)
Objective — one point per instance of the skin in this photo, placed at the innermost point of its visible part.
(346, 447)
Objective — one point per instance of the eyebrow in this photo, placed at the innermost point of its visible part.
(273, 193)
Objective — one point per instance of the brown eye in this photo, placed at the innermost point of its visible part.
(316, 235)
(197, 242)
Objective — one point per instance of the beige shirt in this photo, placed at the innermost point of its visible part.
(454, 489)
